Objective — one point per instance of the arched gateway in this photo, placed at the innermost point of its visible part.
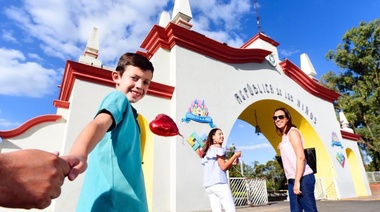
(200, 83)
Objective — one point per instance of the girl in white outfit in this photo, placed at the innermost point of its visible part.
(215, 177)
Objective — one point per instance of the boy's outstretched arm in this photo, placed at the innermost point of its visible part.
(86, 141)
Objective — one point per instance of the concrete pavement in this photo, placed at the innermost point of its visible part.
(360, 204)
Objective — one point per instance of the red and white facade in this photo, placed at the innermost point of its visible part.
(234, 83)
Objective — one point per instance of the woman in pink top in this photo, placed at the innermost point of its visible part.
(300, 176)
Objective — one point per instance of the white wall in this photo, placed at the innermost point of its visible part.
(178, 174)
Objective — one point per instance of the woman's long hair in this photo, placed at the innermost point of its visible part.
(209, 141)
(288, 125)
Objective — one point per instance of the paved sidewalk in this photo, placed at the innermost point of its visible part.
(362, 204)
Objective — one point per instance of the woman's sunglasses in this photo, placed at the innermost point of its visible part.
(278, 117)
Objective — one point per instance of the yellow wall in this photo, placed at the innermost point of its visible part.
(264, 112)
(147, 147)
(356, 173)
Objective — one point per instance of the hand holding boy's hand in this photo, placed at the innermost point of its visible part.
(31, 178)
(78, 165)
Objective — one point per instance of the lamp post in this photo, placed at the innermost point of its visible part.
(257, 128)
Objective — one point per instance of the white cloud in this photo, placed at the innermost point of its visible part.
(21, 78)
(225, 16)
(254, 147)
(121, 24)
(62, 27)
(288, 52)
(5, 124)
(34, 56)
(59, 29)
(8, 36)
(241, 125)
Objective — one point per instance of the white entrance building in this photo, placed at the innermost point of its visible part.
(200, 83)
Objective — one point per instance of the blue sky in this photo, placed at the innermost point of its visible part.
(38, 36)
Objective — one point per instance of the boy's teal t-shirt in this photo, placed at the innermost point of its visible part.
(114, 179)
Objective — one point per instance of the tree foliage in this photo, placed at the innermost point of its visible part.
(359, 58)
(272, 172)
(235, 170)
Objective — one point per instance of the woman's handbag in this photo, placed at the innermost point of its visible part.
(310, 156)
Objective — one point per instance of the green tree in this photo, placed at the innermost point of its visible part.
(234, 171)
(275, 175)
(271, 172)
(359, 85)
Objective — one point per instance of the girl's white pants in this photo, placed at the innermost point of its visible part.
(220, 195)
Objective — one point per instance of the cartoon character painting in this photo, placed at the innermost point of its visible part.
(335, 141)
(198, 112)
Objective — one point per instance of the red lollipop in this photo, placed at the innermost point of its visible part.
(163, 125)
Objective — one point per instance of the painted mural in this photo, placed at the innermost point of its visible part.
(197, 142)
(340, 158)
(336, 143)
(198, 112)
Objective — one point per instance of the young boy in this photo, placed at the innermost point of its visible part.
(114, 179)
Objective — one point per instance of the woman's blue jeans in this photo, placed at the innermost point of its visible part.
(305, 201)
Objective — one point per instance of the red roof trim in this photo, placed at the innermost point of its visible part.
(350, 136)
(75, 70)
(307, 83)
(173, 35)
(61, 104)
(262, 37)
(28, 124)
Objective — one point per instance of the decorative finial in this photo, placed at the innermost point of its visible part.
(91, 52)
(182, 13)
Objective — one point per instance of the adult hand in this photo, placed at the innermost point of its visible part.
(297, 188)
(31, 178)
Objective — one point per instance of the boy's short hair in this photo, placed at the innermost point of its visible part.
(134, 59)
